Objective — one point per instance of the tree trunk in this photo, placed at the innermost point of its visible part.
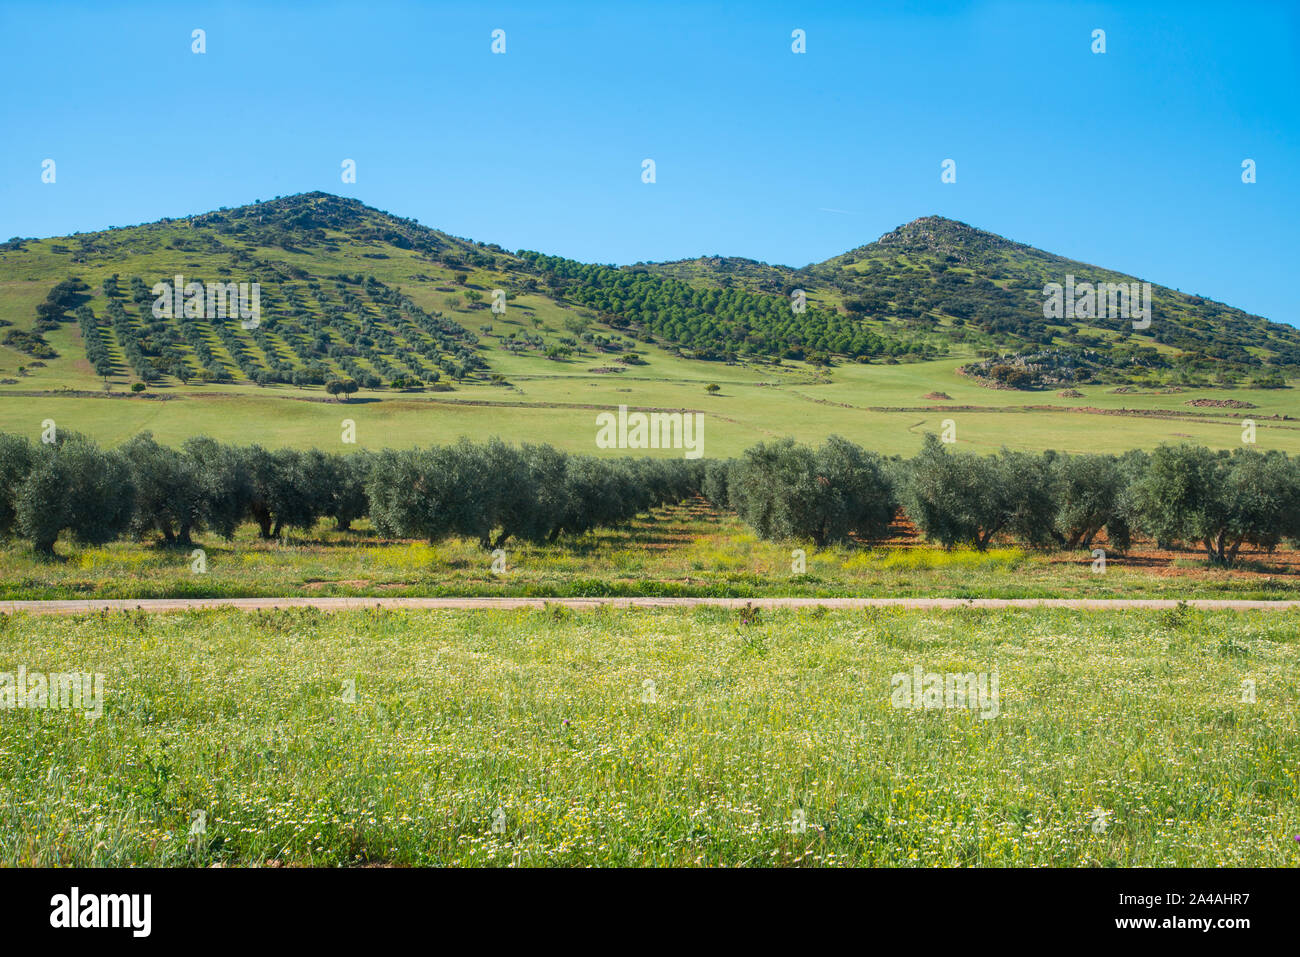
(263, 519)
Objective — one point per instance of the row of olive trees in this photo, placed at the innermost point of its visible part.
(1183, 494)
(490, 492)
(98, 495)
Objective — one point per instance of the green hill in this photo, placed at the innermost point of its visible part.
(406, 312)
(943, 287)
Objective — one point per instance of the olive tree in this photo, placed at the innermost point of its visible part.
(964, 498)
(224, 478)
(16, 457)
(1090, 497)
(789, 491)
(1193, 495)
(169, 493)
(286, 489)
(74, 486)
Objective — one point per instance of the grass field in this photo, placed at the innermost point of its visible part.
(880, 407)
(656, 738)
(689, 550)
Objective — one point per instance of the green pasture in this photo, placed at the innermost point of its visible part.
(674, 738)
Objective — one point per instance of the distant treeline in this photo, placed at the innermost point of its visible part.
(492, 492)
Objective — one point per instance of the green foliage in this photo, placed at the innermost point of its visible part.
(536, 493)
(946, 278)
(494, 492)
(1219, 500)
(715, 324)
(961, 497)
(16, 458)
(1090, 497)
(226, 481)
(717, 482)
(288, 489)
(169, 492)
(32, 343)
(73, 485)
(789, 491)
(930, 288)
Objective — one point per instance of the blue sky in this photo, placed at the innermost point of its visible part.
(1129, 159)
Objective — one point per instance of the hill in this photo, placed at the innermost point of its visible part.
(942, 285)
(933, 309)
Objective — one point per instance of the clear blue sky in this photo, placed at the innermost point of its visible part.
(1130, 159)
